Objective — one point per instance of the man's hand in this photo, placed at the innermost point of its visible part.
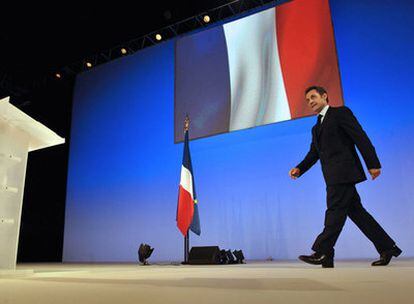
(374, 173)
(294, 173)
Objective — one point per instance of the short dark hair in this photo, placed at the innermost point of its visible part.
(320, 90)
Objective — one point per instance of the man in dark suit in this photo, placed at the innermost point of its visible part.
(334, 138)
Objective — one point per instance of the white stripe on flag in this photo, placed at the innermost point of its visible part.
(258, 94)
(186, 180)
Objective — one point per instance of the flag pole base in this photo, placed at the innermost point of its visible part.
(186, 248)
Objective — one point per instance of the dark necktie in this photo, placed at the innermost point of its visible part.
(319, 124)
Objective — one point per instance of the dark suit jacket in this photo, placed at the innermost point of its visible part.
(335, 145)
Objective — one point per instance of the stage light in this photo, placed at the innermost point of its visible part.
(158, 37)
(58, 75)
(239, 256)
(88, 64)
(206, 18)
(124, 51)
(224, 259)
(230, 257)
(144, 252)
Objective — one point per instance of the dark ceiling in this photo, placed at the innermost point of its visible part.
(35, 41)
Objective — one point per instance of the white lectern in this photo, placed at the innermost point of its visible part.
(19, 134)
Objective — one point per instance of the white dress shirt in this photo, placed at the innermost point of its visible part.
(323, 112)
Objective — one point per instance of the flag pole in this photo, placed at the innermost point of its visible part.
(186, 247)
(187, 236)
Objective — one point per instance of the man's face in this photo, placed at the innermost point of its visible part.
(315, 101)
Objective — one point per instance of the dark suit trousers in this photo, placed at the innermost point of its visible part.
(343, 200)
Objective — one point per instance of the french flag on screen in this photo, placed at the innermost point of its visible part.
(253, 71)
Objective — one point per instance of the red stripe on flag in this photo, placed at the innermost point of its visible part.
(185, 210)
(307, 52)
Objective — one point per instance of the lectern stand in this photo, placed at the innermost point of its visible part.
(19, 135)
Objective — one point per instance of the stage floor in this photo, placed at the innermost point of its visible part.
(254, 282)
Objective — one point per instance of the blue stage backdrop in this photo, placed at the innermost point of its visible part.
(124, 166)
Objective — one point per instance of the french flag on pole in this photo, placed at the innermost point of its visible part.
(187, 208)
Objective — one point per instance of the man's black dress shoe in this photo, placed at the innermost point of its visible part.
(386, 256)
(319, 259)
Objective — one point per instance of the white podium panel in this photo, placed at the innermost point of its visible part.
(19, 134)
(13, 159)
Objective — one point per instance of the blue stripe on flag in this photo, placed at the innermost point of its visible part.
(195, 224)
(202, 84)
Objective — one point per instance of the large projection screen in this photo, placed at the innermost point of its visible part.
(253, 71)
